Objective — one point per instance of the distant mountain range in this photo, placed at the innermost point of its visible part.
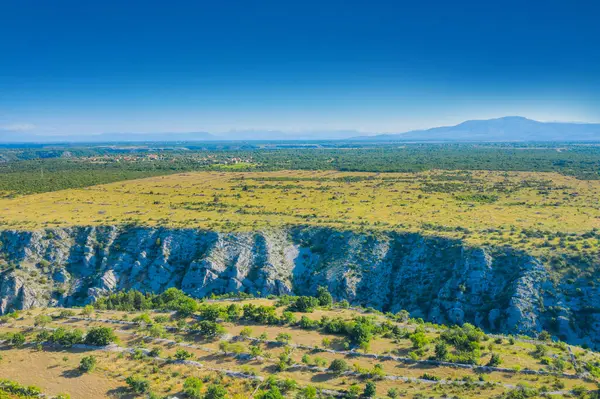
(509, 128)
(234, 135)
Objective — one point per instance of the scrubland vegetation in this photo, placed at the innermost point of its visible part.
(43, 168)
(155, 346)
(542, 200)
(544, 213)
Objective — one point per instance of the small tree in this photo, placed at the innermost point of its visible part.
(182, 354)
(143, 318)
(418, 339)
(544, 336)
(393, 393)
(272, 393)
(18, 339)
(137, 384)
(441, 351)
(324, 297)
(246, 332)
(215, 391)
(87, 310)
(305, 304)
(87, 364)
(370, 390)
(308, 392)
(353, 392)
(495, 360)
(338, 366)
(283, 337)
(100, 336)
(41, 320)
(192, 387)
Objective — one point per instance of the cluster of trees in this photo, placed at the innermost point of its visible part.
(172, 299)
(41, 170)
(465, 340)
(95, 336)
(307, 304)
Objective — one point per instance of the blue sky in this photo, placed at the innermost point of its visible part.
(82, 67)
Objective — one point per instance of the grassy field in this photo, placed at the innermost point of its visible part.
(540, 212)
(308, 354)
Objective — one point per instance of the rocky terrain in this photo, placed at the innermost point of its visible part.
(438, 279)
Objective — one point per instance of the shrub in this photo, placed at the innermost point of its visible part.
(544, 336)
(272, 393)
(324, 297)
(308, 392)
(210, 312)
(288, 385)
(283, 337)
(370, 390)
(65, 313)
(87, 364)
(65, 337)
(87, 310)
(494, 360)
(192, 387)
(41, 320)
(157, 331)
(155, 352)
(353, 392)
(215, 391)
(441, 351)
(182, 354)
(305, 304)
(430, 377)
(17, 339)
(161, 319)
(143, 318)
(210, 328)
(288, 317)
(138, 384)
(418, 339)
(246, 332)
(100, 336)
(338, 366)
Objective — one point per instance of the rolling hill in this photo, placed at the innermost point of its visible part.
(510, 128)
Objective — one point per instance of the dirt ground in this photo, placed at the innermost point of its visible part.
(56, 372)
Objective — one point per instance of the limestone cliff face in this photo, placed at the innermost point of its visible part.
(438, 279)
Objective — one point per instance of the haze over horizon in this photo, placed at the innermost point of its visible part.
(75, 69)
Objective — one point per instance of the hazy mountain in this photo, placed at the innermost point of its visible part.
(234, 135)
(30, 137)
(509, 128)
(274, 135)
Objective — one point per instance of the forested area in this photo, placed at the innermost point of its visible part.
(41, 169)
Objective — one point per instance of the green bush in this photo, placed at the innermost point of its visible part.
(215, 391)
(370, 390)
(17, 339)
(100, 336)
(495, 360)
(137, 384)
(87, 364)
(324, 297)
(192, 387)
(304, 304)
(182, 354)
(338, 366)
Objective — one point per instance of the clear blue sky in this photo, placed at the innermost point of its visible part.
(79, 67)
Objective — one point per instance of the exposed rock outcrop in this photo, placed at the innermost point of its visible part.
(438, 279)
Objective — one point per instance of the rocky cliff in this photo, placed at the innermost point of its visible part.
(438, 279)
